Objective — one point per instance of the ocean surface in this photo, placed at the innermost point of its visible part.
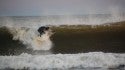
(94, 45)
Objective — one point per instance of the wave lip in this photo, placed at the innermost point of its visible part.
(63, 61)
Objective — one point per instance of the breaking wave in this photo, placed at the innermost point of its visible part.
(25, 28)
(63, 61)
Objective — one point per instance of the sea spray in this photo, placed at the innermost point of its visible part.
(30, 37)
(36, 21)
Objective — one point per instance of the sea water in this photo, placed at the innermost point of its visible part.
(21, 45)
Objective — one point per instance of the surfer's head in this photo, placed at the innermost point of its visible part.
(42, 30)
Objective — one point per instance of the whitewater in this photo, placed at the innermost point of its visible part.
(31, 38)
(64, 61)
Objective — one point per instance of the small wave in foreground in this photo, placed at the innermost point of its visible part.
(63, 61)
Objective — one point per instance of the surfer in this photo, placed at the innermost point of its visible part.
(42, 30)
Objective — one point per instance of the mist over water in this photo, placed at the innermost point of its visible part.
(35, 22)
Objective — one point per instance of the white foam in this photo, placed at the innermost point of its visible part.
(30, 37)
(62, 61)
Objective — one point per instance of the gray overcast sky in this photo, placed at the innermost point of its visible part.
(58, 7)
